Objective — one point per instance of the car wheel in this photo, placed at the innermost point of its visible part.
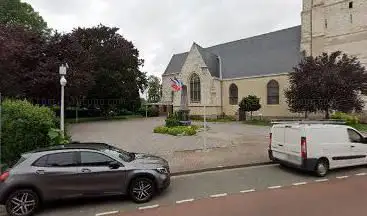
(322, 168)
(142, 189)
(22, 202)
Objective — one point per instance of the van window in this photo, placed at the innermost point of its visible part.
(354, 136)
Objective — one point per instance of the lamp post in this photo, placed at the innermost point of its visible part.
(1, 165)
(62, 71)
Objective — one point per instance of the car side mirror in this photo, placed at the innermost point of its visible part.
(114, 165)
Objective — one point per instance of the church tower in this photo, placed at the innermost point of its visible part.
(331, 25)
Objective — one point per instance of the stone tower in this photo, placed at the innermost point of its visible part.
(331, 25)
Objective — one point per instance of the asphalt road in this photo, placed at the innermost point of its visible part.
(194, 187)
(337, 197)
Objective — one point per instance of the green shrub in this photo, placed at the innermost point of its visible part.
(178, 130)
(151, 111)
(172, 122)
(123, 112)
(56, 137)
(348, 118)
(25, 127)
(161, 129)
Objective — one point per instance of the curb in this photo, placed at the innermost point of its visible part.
(221, 168)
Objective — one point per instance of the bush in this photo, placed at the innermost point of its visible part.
(178, 130)
(172, 122)
(123, 112)
(348, 118)
(151, 111)
(25, 127)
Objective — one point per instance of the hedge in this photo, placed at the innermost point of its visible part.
(25, 127)
(178, 130)
(348, 118)
(151, 111)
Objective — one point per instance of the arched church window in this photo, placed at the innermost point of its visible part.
(233, 94)
(195, 89)
(273, 92)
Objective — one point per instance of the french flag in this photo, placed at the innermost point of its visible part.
(176, 84)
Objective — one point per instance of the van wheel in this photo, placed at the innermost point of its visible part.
(322, 167)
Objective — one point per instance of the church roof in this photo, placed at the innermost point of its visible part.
(271, 53)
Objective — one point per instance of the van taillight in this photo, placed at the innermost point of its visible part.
(4, 176)
(270, 136)
(303, 148)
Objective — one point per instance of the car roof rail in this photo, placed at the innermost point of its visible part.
(302, 121)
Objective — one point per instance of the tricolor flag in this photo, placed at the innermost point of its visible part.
(176, 84)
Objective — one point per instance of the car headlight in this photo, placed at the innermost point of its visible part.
(162, 170)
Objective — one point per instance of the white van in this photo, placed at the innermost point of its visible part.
(317, 146)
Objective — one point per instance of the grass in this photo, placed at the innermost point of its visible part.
(223, 119)
(258, 122)
(360, 127)
(101, 118)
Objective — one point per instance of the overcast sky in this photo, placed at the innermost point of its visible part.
(160, 28)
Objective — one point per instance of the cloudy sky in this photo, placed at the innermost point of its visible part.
(160, 28)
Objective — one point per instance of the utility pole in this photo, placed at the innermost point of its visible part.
(1, 168)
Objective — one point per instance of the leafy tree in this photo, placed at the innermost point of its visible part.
(154, 89)
(326, 82)
(15, 12)
(29, 64)
(116, 66)
(250, 104)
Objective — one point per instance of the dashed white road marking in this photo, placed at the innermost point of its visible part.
(342, 177)
(299, 183)
(361, 174)
(183, 201)
(148, 207)
(275, 187)
(107, 213)
(218, 195)
(247, 191)
(321, 180)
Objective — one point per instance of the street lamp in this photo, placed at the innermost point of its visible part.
(62, 72)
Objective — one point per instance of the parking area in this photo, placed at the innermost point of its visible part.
(224, 144)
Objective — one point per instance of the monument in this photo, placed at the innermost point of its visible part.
(183, 112)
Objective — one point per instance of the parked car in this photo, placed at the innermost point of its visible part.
(317, 146)
(79, 170)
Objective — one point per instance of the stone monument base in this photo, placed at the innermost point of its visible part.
(183, 116)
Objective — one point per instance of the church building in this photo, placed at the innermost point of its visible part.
(218, 77)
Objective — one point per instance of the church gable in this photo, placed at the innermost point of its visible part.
(195, 61)
(267, 54)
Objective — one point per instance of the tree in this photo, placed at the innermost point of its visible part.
(326, 82)
(29, 64)
(250, 104)
(15, 12)
(154, 89)
(116, 66)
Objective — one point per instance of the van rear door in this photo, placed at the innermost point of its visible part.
(292, 143)
(277, 138)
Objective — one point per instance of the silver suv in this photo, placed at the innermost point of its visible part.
(80, 169)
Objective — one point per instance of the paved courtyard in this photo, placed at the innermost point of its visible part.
(227, 144)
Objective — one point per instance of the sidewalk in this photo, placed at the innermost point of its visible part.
(187, 161)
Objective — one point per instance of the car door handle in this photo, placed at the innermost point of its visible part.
(85, 170)
(40, 172)
(280, 145)
(352, 146)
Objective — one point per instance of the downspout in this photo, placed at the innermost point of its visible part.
(221, 84)
(311, 22)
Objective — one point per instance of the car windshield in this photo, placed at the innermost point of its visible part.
(124, 155)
